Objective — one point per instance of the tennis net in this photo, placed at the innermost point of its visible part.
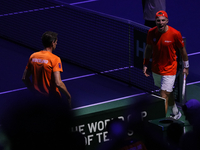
(99, 42)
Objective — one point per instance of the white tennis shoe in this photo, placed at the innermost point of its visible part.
(177, 116)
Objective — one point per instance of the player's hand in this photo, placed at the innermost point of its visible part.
(186, 71)
(145, 71)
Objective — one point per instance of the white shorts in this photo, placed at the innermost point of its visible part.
(165, 83)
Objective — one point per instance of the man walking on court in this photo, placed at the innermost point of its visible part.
(162, 43)
(45, 68)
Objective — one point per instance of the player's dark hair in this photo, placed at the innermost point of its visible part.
(48, 37)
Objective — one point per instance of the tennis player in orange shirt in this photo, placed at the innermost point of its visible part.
(162, 43)
(45, 69)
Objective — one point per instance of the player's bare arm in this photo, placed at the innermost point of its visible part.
(185, 60)
(61, 86)
(26, 79)
(147, 56)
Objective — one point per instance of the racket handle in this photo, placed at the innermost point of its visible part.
(184, 85)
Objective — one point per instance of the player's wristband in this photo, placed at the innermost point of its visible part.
(146, 61)
(186, 64)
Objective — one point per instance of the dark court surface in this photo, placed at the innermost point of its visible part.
(85, 86)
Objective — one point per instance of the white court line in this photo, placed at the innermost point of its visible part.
(30, 11)
(109, 101)
(73, 78)
(196, 82)
(82, 2)
(10, 91)
(61, 2)
(78, 77)
(69, 79)
(192, 83)
(45, 8)
(83, 76)
(196, 53)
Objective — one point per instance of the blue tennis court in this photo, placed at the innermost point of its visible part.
(132, 10)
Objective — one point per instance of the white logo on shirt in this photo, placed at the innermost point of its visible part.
(40, 60)
(166, 41)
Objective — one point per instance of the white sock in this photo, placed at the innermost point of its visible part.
(174, 109)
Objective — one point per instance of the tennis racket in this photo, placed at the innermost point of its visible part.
(184, 85)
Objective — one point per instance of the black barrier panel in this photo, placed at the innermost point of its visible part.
(104, 44)
(92, 121)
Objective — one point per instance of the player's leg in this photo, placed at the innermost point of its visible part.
(176, 114)
(172, 104)
(157, 82)
(167, 83)
(170, 101)
(164, 94)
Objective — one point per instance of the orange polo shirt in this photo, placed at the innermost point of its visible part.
(164, 50)
(42, 64)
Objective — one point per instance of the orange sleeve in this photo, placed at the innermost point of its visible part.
(57, 65)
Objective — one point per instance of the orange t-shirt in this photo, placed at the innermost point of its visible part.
(164, 50)
(42, 64)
